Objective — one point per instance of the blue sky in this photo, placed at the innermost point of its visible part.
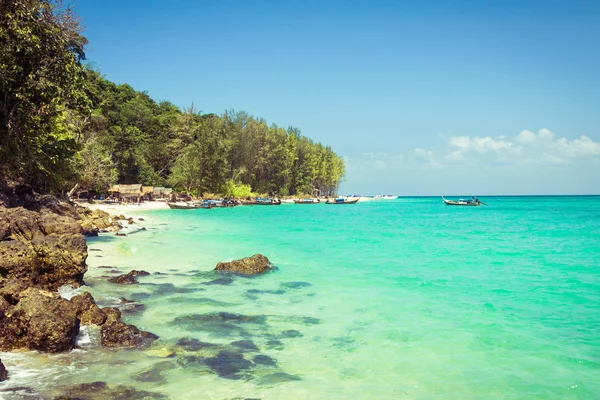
(421, 97)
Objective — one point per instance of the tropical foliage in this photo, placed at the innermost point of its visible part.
(65, 124)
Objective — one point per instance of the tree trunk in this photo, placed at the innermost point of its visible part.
(72, 191)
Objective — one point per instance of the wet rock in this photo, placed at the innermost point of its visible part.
(192, 344)
(120, 234)
(160, 273)
(257, 264)
(291, 333)
(245, 345)
(105, 266)
(125, 279)
(20, 393)
(42, 321)
(219, 281)
(89, 313)
(228, 364)
(123, 300)
(278, 377)
(3, 372)
(140, 219)
(119, 334)
(129, 278)
(295, 285)
(94, 221)
(94, 250)
(150, 376)
(101, 391)
(136, 272)
(264, 360)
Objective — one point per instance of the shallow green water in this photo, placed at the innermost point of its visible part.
(400, 299)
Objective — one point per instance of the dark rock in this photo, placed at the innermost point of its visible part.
(120, 234)
(245, 345)
(3, 372)
(160, 273)
(129, 278)
(140, 219)
(264, 360)
(228, 364)
(105, 266)
(257, 264)
(221, 317)
(89, 313)
(20, 393)
(192, 344)
(118, 334)
(295, 285)
(40, 321)
(125, 279)
(130, 222)
(219, 281)
(278, 377)
(94, 250)
(139, 273)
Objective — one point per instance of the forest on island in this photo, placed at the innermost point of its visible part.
(63, 124)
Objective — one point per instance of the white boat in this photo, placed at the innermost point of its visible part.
(287, 201)
(389, 197)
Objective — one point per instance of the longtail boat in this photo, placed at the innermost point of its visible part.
(307, 201)
(343, 200)
(462, 202)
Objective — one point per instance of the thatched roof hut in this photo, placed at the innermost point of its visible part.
(126, 191)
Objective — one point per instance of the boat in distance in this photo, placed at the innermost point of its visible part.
(462, 202)
(180, 205)
(307, 201)
(343, 200)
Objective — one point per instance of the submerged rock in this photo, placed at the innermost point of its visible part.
(278, 377)
(3, 372)
(291, 333)
(245, 345)
(119, 334)
(192, 344)
(101, 391)
(220, 281)
(228, 364)
(264, 360)
(257, 264)
(295, 285)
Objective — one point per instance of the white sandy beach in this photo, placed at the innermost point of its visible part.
(126, 208)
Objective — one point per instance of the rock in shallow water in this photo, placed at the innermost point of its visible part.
(101, 391)
(278, 377)
(228, 364)
(257, 264)
(192, 344)
(264, 360)
(119, 334)
(3, 372)
(245, 345)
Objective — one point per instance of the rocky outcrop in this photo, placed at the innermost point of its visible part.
(3, 372)
(119, 334)
(90, 314)
(42, 248)
(96, 221)
(257, 264)
(41, 321)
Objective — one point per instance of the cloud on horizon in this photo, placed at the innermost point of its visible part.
(528, 159)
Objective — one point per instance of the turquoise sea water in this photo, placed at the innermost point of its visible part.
(379, 300)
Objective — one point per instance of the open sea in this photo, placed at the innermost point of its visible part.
(391, 299)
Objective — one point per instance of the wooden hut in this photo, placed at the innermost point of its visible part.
(160, 192)
(147, 192)
(128, 193)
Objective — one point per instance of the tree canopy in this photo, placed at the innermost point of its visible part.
(63, 123)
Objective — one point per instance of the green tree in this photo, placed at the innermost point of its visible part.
(40, 78)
